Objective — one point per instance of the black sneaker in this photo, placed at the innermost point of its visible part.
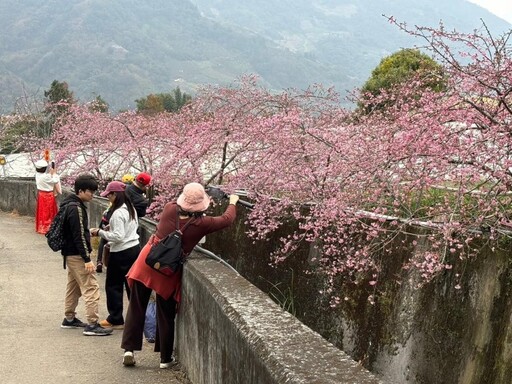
(96, 330)
(99, 267)
(75, 323)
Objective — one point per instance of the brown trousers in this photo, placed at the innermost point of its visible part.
(81, 283)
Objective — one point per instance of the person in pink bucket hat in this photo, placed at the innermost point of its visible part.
(189, 213)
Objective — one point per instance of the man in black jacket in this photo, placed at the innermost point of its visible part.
(137, 193)
(76, 250)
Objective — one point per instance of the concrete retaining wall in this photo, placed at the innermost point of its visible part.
(228, 331)
(19, 196)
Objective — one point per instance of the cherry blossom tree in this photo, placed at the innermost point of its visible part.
(453, 147)
(352, 182)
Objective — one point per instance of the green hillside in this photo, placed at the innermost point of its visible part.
(125, 49)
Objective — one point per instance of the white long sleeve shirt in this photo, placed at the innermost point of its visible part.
(122, 233)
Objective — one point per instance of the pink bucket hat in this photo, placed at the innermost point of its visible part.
(113, 186)
(193, 198)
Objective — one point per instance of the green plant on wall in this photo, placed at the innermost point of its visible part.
(283, 296)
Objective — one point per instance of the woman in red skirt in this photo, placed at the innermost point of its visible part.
(46, 207)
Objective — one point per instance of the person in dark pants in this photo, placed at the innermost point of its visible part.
(188, 210)
(105, 218)
(124, 245)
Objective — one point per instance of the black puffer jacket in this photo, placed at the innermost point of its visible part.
(77, 239)
(138, 199)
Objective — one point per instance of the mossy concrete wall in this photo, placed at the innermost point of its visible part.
(232, 333)
(456, 329)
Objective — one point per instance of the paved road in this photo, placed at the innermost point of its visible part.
(33, 347)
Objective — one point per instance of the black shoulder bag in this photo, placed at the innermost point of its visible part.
(167, 256)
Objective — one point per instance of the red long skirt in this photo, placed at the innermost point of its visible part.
(46, 209)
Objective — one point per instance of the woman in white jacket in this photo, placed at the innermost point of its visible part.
(123, 241)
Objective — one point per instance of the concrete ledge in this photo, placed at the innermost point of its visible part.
(228, 331)
(18, 195)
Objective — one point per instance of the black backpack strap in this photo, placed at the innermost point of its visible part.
(180, 231)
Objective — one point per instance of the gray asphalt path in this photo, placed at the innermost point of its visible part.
(33, 347)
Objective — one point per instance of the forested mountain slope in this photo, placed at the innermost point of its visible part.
(126, 49)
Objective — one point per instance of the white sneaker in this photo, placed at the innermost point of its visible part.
(170, 364)
(128, 359)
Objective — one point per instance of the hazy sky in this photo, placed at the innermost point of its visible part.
(501, 8)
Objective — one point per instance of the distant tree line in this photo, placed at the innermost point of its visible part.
(37, 119)
(391, 72)
(160, 102)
